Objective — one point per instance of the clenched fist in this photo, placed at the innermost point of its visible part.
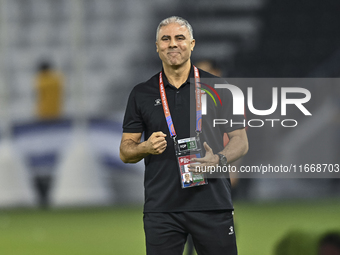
(156, 143)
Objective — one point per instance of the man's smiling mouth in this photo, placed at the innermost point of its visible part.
(173, 53)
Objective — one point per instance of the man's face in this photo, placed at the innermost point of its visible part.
(174, 44)
(187, 179)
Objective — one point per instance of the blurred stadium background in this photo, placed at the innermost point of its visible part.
(63, 189)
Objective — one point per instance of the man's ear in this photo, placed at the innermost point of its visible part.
(192, 44)
(156, 46)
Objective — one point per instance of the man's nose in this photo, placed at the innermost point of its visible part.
(172, 43)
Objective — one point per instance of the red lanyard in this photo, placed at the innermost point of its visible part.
(166, 106)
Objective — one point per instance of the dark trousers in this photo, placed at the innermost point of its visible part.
(212, 232)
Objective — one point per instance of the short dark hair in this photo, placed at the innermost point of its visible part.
(331, 238)
(44, 65)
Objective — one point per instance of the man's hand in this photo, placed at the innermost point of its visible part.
(132, 150)
(210, 159)
(156, 143)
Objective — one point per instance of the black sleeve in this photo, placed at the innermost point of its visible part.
(133, 122)
(226, 112)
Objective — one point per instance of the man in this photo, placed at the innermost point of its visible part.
(329, 244)
(187, 179)
(49, 87)
(171, 212)
(210, 66)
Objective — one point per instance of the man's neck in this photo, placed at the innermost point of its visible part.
(177, 75)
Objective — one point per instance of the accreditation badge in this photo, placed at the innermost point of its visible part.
(186, 149)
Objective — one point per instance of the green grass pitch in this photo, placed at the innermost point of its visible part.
(119, 231)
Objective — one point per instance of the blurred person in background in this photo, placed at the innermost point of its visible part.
(49, 86)
(49, 90)
(329, 244)
(170, 212)
(306, 242)
(210, 66)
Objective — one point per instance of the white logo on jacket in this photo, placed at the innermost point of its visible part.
(158, 101)
(231, 230)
